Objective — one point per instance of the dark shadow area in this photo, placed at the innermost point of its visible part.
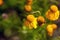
(2, 37)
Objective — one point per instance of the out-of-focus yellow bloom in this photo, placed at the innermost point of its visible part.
(53, 8)
(40, 20)
(54, 26)
(51, 28)
(33, 24)
(30, 18)
(28, 8)
(52, 15)
(1, 2)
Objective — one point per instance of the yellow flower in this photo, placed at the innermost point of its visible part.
(54, 8)
(1, 2)
(49, 27)
(40, 20)
(54, 26)
(33, 24)
(28, 8)
(30, 18)
(52, 15)
(50, 30)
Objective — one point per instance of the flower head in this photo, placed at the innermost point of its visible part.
(52, 16)
(28, 8)
(54, 26)
(54, 8)
(30, 18)
(51, 28)
(1, 2)
(33, 24)
(40, 20)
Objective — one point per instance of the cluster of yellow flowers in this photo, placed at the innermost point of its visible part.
(53, 13)
(51, 28)
(28, 5)
(32, 21)
(1, 2)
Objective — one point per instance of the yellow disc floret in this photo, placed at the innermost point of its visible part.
(52, 16)
(54, 26)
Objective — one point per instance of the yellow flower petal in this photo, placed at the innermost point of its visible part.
(34, 23)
